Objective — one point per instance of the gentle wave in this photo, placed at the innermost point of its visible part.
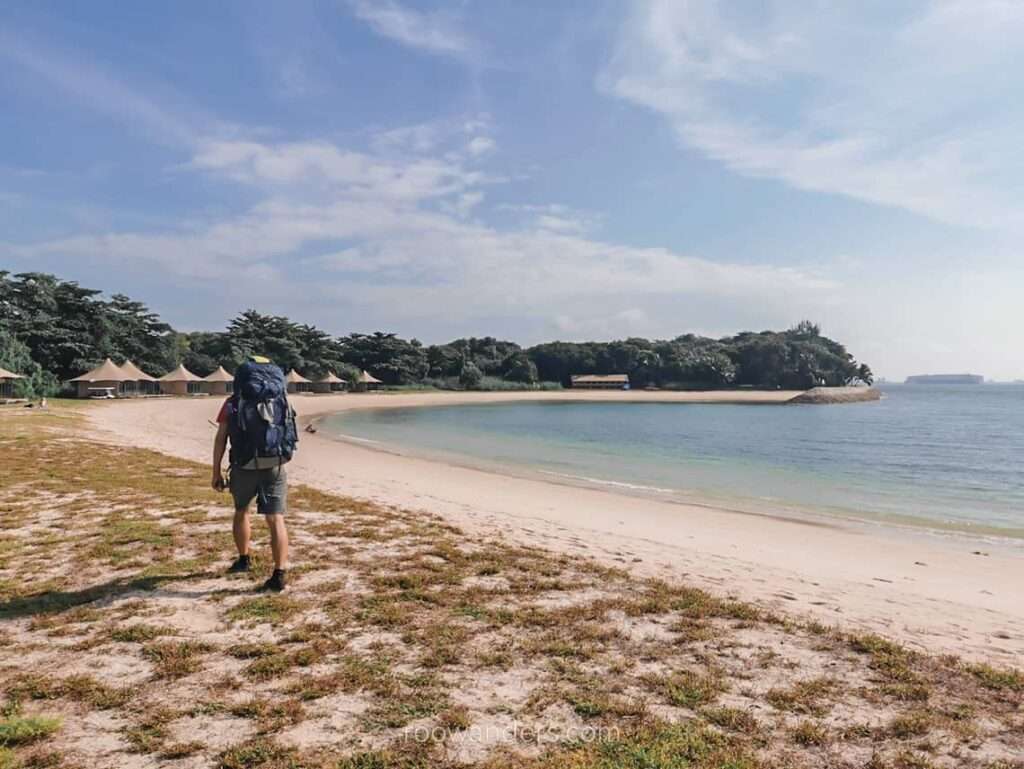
(614, 484)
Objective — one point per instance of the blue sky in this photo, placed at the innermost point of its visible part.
(532, 170)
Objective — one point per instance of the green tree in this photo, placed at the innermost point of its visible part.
(134, 333)
(518, 367)
(15, 357)
(203, 351)
(393, 360)
(444, 360)
(471, 376)
(63, 325)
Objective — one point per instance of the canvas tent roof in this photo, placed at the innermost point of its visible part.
(108, 371)
(180, 374)
(5, 374)
(220, 375)
(367, 378)
(134, 373)
(331, 378)
(294, 377)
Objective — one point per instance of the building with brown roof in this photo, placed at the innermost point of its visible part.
(298, 383)
(330, 384)
(367, 381)
(220, 382)
(107, 379)
(181, 381)
(601, 382)
(7, 380)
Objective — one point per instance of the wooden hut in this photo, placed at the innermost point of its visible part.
(181, 381)
(107, 379)
(601, 382)
(298, 383)
(329, 384)
(366, 382)
(220, 382)
(7, 380)
(138, 382)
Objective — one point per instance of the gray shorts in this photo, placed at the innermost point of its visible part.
(269, 487)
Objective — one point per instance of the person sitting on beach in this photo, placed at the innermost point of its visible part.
(260, 425)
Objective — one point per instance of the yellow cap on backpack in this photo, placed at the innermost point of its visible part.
(259, 359)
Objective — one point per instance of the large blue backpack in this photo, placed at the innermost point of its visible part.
(261, 423)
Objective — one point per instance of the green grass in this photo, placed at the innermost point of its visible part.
(996, 678)
(17, 729)
(806, 697)
(655, 746)
(273, 609)
(687, 689)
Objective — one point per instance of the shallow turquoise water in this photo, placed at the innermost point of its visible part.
(944, 457)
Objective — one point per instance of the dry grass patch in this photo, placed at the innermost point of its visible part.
(175, 659)
(405, 622)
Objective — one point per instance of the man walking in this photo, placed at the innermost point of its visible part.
(260, 425)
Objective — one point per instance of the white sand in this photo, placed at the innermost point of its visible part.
(930, 591)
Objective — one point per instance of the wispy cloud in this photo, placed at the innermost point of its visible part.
(93, 88)
(906, 111)
(435, 32)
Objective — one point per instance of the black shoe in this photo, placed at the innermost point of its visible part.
(241, 565)
(276, 583)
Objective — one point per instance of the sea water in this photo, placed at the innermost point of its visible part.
(943, 457)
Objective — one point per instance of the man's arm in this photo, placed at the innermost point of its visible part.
(220, 444)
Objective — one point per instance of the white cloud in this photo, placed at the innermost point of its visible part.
(433, 32)
(480, 145)
(380, 232)
(555, 218)
(909, 111)
(311, 163)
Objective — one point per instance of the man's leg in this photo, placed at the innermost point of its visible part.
(273, 505)
(278, 540)
(241, 527)
(243, 489)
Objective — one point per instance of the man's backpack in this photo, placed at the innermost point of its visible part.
(261, 423)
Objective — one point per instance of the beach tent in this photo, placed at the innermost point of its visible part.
(329, 384)
(138, 382)
(181, 381)
(367, 381)
(7, 380)
(107, 376)
(298, 383)
(220, 382)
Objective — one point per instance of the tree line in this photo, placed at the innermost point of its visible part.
(52, 330)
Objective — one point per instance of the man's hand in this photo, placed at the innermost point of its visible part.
(220, 444)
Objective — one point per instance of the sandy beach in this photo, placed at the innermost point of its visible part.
(937, 593)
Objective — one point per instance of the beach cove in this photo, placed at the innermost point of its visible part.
(934, 592)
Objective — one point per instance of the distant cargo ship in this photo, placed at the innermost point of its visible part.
(946, 379)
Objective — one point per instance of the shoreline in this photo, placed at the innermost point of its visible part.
(936, 593)
(910, 525)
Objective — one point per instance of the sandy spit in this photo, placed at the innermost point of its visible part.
(938, 593)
